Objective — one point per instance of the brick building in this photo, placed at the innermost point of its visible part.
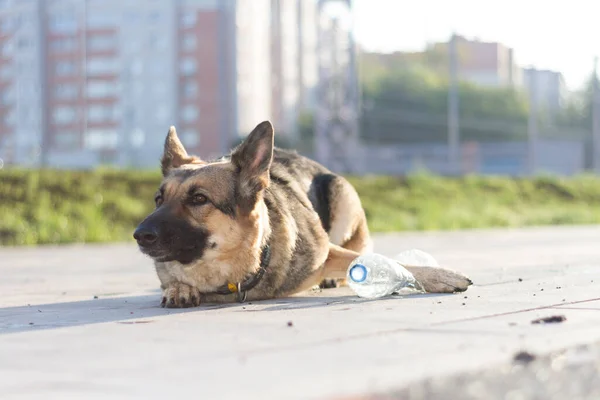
(84, 82)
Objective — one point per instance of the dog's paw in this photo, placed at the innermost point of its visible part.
(332, 283)
(180, 295)
(328, 284)
(440, 280)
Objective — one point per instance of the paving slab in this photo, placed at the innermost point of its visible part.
(84, 322)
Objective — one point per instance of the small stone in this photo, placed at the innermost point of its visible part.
(290, 323)
(464, 304)
(524, 357)
(31, 323)
(520, 279)
(550, 320)
(95, 297)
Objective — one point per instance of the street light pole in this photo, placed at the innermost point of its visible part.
(453, 109)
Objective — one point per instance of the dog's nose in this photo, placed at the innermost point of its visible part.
(145, 237)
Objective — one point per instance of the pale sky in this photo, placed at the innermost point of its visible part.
(553, 34)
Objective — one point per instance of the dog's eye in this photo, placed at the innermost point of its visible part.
(198, 199)
(158, 200)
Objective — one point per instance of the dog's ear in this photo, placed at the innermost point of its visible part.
(252, 160)
(175, 155)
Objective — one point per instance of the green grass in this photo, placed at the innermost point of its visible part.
(43, 207)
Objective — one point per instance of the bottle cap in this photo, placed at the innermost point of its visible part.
(358, 273)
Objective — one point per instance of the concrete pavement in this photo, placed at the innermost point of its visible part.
(58, 341)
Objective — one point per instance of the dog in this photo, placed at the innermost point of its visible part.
(260, 223)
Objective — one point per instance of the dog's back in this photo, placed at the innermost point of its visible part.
(332, 197)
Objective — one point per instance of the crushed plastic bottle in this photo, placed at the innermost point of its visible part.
(373, 276)
(416, 258)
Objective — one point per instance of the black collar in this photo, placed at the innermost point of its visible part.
(241, 288)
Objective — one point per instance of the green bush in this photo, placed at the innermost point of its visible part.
(45, 206)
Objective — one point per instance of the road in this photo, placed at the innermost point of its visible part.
(84, 322)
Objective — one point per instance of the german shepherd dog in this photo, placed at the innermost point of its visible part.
(260, 223)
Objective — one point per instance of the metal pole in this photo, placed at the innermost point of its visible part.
(532, 125)
(453, 104)
(595, 120)
(45, 97)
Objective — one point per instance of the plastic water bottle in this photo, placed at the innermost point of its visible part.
(374, 275)
(416, 258)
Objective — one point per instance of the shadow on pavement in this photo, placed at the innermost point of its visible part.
(141, 309)
(135, 309)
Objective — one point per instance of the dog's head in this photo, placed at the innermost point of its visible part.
(207, 211)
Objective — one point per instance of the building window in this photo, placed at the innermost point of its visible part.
(24, 43)
(10, 119)
(157, 69)
(101, 139)
(102, 113)
(63, 22)
(63, 45)
(66, 140)
(66, 92)
(101, 43)
(157, 42)
(7, 49)
(162, 113)
(5, 72)
(188, 19)
(136, 67)
(190, 90)
(100, 89)
(132, 17)
(7, 96)
(155, 17)
(160, 89)
(64, 68)
(7, 25)
(63, 115)
(188, 42)
(99, 20)
(190, 138)
(187, 66)
(102, 66)
(189, 114)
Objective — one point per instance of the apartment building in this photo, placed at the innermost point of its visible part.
(21, 80)
(100, 81)
(484, 63)
(487, 63)
(547, 88)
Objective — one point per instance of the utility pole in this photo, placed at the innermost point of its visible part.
(453, 107)
(532, 123)
(595, 120)
(336, 117)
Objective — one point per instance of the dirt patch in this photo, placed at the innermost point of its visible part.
(555, 319)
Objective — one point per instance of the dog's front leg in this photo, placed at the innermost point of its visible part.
(440, 280)
(174, 293)
(180, 295)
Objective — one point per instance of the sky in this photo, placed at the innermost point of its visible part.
(553, 34)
